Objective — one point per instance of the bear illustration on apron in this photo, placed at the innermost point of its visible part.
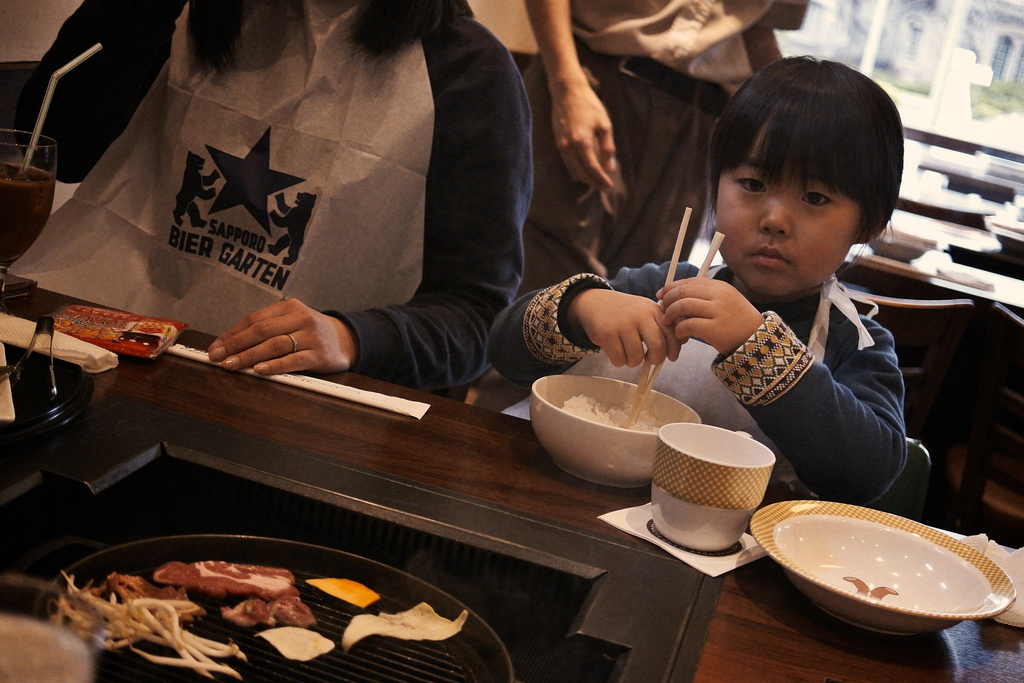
(299, 172)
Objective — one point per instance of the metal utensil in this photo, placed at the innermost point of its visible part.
(44, 327)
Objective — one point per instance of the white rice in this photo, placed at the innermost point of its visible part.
(590, 409)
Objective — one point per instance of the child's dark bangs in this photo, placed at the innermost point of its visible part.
(798, 144)
(801, 120)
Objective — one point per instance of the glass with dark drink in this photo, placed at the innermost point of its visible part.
(27, 180)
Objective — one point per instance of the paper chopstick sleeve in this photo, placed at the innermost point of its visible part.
(393, 404)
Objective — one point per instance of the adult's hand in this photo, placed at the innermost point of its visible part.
(287, 336)
(582, 129)
(583, 134)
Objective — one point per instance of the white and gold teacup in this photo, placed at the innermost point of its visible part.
(707, 482)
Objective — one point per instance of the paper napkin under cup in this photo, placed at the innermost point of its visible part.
(1013, 564)
(634, 521)
(16, 331)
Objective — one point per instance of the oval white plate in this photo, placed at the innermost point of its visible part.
(880, 571)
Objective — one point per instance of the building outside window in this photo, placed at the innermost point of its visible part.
(1001, 57)
(955, 67)
(914, 32)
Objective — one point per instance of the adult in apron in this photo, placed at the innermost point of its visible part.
(298, 173)
(691, 380)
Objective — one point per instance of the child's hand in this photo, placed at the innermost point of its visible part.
(621, 325)
(711, 310)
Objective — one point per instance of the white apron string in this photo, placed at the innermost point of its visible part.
(835, 293)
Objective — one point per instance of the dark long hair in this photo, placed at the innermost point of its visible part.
(214, 26)
(806, 118)
(387, 26)
(382, 28)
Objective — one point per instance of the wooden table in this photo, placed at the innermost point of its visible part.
(970, 147)
(762, 628)
(966, 194)
(924, 281)
(935, 276)
(968, 180)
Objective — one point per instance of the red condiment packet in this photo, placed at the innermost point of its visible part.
(123, 333)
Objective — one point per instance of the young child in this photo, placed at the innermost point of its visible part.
(805, 162)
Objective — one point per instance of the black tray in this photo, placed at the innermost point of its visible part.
(35, 409)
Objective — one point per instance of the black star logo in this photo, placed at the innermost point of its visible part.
(249, 182)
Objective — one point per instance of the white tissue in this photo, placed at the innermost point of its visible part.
(18, 332)
(634, 521)
(1013, 564)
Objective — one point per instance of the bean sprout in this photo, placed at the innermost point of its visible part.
(156, 621)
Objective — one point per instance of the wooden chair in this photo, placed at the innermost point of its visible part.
(927, 333)
(986, 475)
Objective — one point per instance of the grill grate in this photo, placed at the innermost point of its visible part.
(374, 660)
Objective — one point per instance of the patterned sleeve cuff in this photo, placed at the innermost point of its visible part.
(767, 365)
(541, 326)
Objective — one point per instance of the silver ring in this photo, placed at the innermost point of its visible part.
(295, 344)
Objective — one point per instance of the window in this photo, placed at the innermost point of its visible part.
(814, 18)
(914, 41)
(952, 66)
(1000, 57)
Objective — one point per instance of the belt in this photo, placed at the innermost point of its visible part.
(710, 97)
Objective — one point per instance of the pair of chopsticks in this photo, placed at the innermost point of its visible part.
(649, 372)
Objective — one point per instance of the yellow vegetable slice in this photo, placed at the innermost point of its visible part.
(347, 590)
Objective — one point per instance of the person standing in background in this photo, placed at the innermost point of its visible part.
(625, 94)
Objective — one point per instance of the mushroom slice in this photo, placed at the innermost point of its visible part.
(419, 623)
(299, 644)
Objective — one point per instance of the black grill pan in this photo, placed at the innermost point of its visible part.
(475, 655)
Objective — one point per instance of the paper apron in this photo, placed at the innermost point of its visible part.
(298, 173)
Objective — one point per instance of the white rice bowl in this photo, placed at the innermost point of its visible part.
(579, 420)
